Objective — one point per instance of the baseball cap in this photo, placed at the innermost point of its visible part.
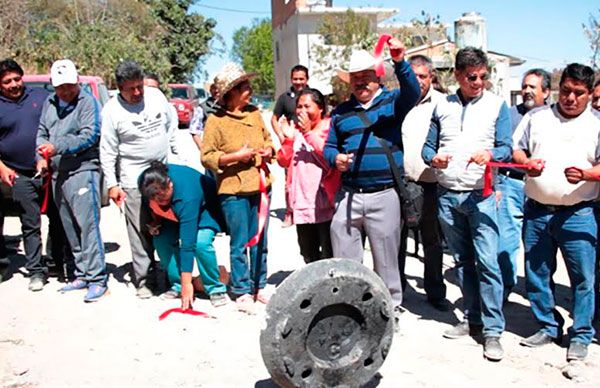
(62, 72)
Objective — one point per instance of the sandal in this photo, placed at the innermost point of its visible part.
(245, 303)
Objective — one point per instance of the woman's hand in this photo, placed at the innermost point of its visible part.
(187, 290)
(286, 128)
(304, 122)
(245, 154)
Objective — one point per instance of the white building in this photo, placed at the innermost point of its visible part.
(295, 23)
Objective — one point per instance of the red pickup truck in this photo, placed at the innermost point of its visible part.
(185, 100)
(91, 84)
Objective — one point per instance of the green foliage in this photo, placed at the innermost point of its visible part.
(342, 33)
(97, 35)
(187, 35)
(252, 47)
(592, 32)
(424, 31)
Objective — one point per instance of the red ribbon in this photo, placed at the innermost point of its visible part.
(46, 184)
(488, 177)
(263, 208)
(182, 311)
(378, 53)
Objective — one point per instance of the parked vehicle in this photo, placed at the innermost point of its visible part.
(185, 100)
(89, 83)
(202, 95)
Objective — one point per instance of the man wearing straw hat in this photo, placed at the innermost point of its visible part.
(365, 132)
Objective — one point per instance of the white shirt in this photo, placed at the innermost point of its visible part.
(414, 131)
(561, 143)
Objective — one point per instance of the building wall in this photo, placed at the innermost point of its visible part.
(286, 53)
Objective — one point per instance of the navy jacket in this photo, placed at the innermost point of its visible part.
(19, 122)
(349, 134)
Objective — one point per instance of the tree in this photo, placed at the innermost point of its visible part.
(343, 33)
(592, 31)
(253, 49)
(187, 35)
(97, 35)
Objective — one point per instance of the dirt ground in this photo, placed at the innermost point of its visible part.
(53, 340)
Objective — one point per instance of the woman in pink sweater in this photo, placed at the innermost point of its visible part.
(311, 184)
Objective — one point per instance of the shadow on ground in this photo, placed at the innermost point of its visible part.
(278, 213)
(269, 383)
(278, 277)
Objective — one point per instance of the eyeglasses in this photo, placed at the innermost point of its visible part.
(474, 77)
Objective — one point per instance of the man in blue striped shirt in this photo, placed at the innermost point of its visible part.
(368, 204)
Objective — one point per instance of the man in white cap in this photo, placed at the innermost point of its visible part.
(69, 136)
(365, 134)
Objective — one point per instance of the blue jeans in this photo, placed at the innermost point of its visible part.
(510, 225)
(241, 217)
(167, 247)
(469, 223)
(572, 230)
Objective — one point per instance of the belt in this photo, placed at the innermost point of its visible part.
(557, 208)
(511, 173)
(368, 190)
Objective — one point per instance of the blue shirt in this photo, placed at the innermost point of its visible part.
(350, 134)
(19, 122)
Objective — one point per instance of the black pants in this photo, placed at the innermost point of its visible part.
(58, 249)
(431, 235)
(27, 195)
(314, 241)
(3, 260)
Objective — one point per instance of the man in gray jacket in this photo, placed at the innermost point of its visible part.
(68, 136)
(137, 126)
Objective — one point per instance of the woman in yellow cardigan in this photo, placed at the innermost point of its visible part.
(236, 145)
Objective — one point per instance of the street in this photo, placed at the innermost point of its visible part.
(53, 340)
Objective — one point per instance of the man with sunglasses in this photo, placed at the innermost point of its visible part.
(469, 129)
(560, 144)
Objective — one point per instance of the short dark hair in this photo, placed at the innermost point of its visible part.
(579, 72)
(8, 66)
(543, 74)
(422, 60)
(299, 68)
(128, 71)
(317, 97)
(152, 76)
(470, 57)
(154, 180)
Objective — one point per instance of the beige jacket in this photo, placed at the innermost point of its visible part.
(226, 132)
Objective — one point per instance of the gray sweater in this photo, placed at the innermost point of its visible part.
(135, 135)
(74, 130)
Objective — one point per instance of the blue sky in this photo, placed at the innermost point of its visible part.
(546, 33)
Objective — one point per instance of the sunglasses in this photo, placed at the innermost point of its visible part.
(474, 77)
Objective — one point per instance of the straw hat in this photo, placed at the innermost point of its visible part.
(230, 75)
(359, 60)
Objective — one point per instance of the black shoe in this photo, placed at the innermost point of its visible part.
(577, 351)
(441, 304)
(463, 329)
(539, 339)
(492, 349)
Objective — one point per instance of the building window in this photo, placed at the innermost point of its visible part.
(276, 51)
